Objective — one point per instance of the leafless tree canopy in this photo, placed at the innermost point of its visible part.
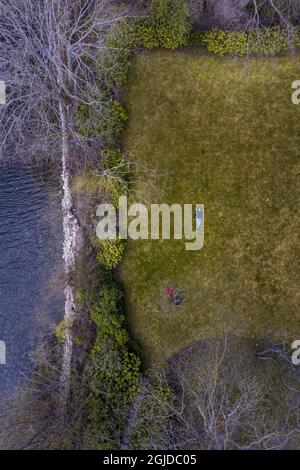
(238, 14)
(226, 396)
(48, 53)
(228, 399)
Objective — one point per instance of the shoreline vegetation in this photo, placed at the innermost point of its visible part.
(115, 401)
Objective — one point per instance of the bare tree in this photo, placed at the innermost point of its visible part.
(224, 397)
(285, 13)
(227, 400)
(31, 416)
(249, 14)
(48, 53)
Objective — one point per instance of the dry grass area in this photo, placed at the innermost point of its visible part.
(222, 132)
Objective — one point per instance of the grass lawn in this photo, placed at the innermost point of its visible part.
(222, 132)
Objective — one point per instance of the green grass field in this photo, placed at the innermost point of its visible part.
(222, 132)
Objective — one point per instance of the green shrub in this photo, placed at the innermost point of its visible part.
(115, 119)
(121, 41)
(107, 303)
(127, 377)
(105, 120)
(115, 366)
(80, 295)
(114, 384)
(111, 157)
(117, 66)
(106, 313)
(168, 26)
(116, 175)
(111, 253)
(90, 118)
(63, 328)
(196, 38)
(84, 121)
(93, 185)
(269, 41)
(113, 188)
(222, 42)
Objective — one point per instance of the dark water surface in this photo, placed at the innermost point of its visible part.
(31, 286)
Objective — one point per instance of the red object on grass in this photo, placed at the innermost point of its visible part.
(169, 292)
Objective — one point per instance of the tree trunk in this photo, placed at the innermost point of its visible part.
(70, 228)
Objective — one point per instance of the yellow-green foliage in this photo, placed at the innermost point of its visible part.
(115, 173)
(106, 122)
(90, 118)
(62, 329)
(111, 253)
(168, 27)
(80, 297)
(94, 185)
(112, 187)
(117, 117)
(222, 42)
(111, 157)
(121, 41)
(269, 41)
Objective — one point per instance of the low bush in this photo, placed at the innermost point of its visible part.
(63, 329)
(115, 365)
(91, 111)
(196, 38)
(115, 172)
(269, 41)
(116, 117)
(111, 253)
(107, 304)
(122, 40)
(168, 26)
(79, 296)
(99, 186)
(106, 122)
(111, 158)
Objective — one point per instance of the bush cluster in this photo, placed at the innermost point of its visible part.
(121, 41)
(268, 41)
(111, 253)
(63, 328)
(115, 364)
(116, 117)
(111, 158)
(100, 186)
(107, 122)
(168, 27)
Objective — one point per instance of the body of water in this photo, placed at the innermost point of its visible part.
(31, 268)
